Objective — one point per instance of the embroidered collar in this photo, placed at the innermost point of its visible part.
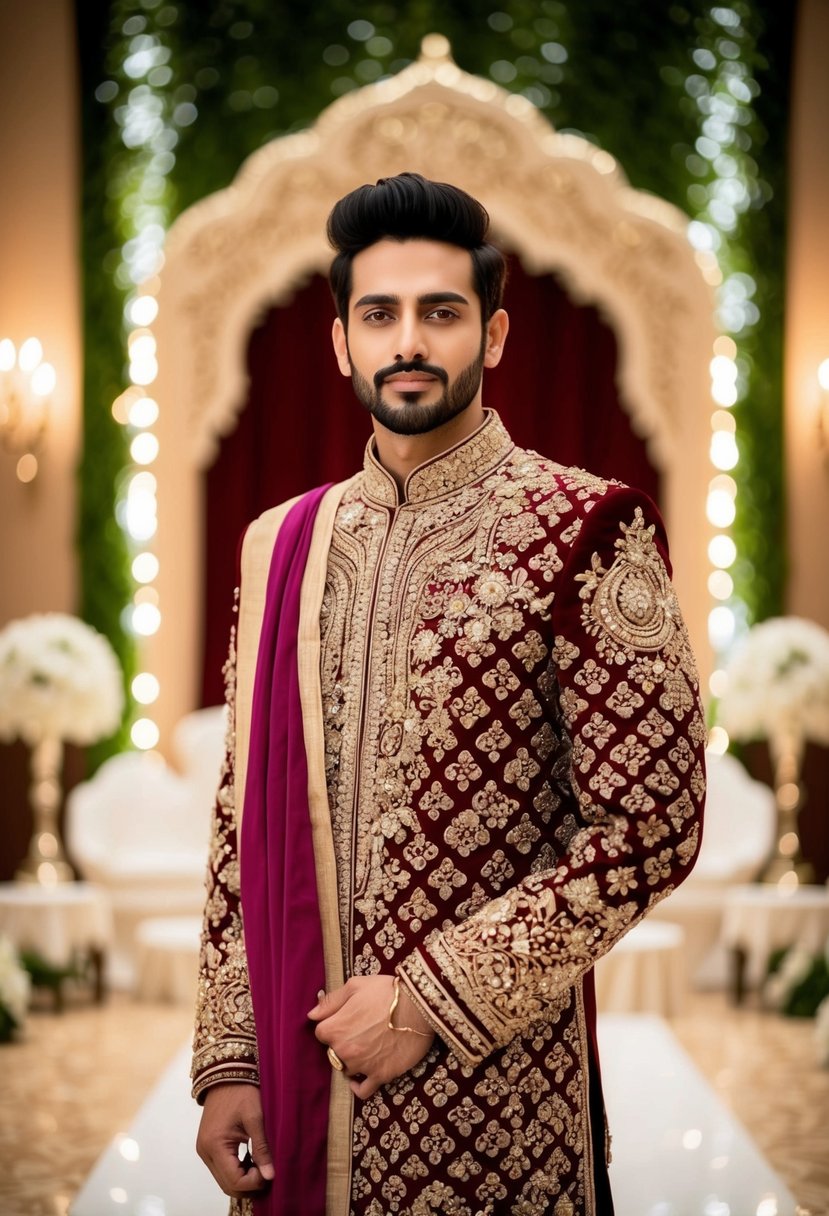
(459, 466)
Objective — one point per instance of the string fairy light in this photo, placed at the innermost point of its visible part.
(727, 185)
(149, 116)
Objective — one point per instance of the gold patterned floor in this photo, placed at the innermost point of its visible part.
(78, 1078)
(74, 1082)
(764, 1068)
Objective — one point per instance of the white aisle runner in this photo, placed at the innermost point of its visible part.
(677, 1150)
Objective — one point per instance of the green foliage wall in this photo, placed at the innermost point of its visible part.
(217, 78)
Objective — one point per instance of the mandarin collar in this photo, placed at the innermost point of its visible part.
(459, 466)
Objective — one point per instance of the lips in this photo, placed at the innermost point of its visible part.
(410, 377)
(410, 382)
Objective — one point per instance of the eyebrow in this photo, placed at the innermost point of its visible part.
(431, 297)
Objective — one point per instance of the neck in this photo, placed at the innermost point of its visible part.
(400, 455)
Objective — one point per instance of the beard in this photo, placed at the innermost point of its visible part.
(412, 418)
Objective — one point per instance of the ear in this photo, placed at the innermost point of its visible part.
(341, 347)
(497, 328)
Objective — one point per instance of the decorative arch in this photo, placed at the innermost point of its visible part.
(559, 202)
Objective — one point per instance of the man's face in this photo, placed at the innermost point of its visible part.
(415, 347)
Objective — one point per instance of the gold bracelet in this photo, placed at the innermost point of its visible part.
(402, 1029)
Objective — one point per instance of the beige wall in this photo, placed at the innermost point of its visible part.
(807, 320)
(39, 292)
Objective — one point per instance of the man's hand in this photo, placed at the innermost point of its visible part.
(232, 1116)
(354, 1021)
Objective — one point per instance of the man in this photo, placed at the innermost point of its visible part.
(470, 758)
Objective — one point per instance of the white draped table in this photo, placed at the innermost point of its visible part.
(761, 918)
(646, 972)
(167, 959)
(58, 923)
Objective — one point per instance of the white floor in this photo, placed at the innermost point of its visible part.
(677, 1150)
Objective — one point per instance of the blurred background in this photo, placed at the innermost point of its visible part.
(658, 175)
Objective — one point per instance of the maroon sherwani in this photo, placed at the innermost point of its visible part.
(514, 763)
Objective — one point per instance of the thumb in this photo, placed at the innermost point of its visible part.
(365, 1088)
(259, 1150)
(328, 1004)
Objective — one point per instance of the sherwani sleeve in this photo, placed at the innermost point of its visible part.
(224, 1044)
(625, 749)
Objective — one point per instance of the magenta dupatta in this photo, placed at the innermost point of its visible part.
(283, 933)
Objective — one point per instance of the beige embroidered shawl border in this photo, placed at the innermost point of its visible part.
(256, 555)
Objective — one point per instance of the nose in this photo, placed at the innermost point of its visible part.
(411, 340)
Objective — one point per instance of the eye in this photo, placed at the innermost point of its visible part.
(377, 316)
(443, 314)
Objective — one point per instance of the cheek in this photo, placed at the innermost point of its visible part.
(463, 355)
(364, 354)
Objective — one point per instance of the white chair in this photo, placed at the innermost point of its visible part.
(140, 831)
(198, 750)
(737, 838)
(739, 824)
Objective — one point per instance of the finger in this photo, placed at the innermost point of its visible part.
(259, 1148)
(365, 1088)
(247, 1184)
(260, 1153)
(221, 1133)
(233, 1179)
(329, 1003)
(221, 1158)
(323, 1033)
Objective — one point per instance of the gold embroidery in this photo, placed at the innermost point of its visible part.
(453, 470)
(507, 961)
(512, 782)
(224, 1042)
(630, 606)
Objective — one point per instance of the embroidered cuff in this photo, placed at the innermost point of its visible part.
(441, 1007)
(240, 1077)
(231, 1060)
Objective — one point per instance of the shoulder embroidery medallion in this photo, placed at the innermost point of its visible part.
(632, 604)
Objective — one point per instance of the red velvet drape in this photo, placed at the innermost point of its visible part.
(300, 425)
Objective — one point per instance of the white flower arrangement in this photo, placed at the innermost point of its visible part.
(778, 683)
(59, 679)
(822, 1032)
(15, 987)
(789, 975)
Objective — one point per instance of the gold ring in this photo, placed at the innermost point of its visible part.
(334, 1060)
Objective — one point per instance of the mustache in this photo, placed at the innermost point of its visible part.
(414, 365)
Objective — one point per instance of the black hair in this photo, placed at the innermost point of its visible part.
(409, 207)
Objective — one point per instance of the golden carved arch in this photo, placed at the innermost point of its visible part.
(558, 201)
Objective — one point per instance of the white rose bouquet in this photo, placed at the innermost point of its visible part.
(778, 683)
(59, 682)
(59, 679)
(778, 689)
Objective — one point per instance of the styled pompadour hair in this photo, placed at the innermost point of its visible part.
(409, 207)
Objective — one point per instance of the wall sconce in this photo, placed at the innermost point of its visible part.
(26, 386)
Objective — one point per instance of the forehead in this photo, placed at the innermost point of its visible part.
(411, 268)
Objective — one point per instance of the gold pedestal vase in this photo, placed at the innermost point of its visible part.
(45, 862)
(786, 865)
